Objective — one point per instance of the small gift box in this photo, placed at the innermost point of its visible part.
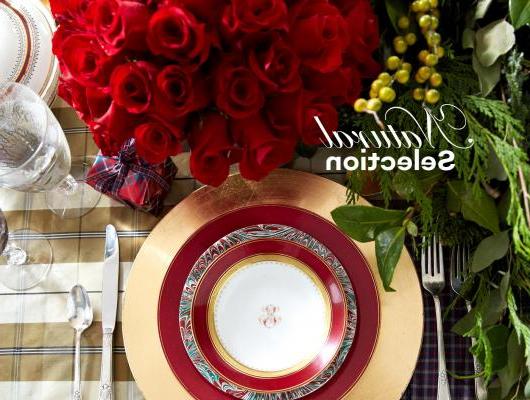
(130, 180)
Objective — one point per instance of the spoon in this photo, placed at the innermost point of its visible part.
(80, 315)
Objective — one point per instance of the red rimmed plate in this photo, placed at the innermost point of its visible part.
(272, 310)
(322, 230)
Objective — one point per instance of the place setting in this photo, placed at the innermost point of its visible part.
(307, 199)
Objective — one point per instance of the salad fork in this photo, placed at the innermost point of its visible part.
(459, 274)
(433, 280)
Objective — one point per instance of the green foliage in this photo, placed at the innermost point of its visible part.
(521, 329)
(519, 12)
(388, 248)
(510, 375)
(482, 202)
(475, 205)
(491, 306)
(490, 347)
(363, 223)
(489, 250)
(386, 227)
(496, 115)
(515, 78)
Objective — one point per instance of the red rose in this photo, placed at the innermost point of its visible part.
(99, 100)
(274, 63)
(84, 59)
(344, 5)
(211, 146)
(90, 103)
(131, 85)
(205, 10)
(325, 111)
(262, 150)
(342, 85)
(237, 90)
(112, 129)
(178, 91)
(255, 15)
(364, 35)
(284, 113)
(75, 95)
(318, 34)
(156, 141)
(121, 25)
(65, 11)
(176, 34)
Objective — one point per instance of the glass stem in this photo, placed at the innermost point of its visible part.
(15, 255)
(68, 186)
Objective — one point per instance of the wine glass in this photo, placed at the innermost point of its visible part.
(34, 154)
(25, 257)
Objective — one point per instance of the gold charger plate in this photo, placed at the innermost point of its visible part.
(401, 321)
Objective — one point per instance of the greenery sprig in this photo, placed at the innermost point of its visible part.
(485, 201)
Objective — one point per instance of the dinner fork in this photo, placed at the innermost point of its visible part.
(459, 274)
(433, 279)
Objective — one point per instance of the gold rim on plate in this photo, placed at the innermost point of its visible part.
(401, 319)
(216, 341)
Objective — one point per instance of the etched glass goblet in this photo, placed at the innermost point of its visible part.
(34, 153)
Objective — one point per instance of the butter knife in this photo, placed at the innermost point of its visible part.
(109, 305)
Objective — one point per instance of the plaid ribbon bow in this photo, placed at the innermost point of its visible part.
(110, 180)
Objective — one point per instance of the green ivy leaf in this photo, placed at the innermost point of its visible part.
(483, 213)
(475, 205)
(492, 309)
(490, 348)
(362, 222)
(510, 374)
(490, 249)
(388, 247)
(498, 338)
(520, 12)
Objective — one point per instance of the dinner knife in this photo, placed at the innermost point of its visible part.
(109, 305)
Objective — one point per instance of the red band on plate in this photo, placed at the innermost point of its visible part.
(323, 231)
(338, 315)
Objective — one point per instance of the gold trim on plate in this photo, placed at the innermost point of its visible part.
(216, 341)
(344, 322)
(401, 312)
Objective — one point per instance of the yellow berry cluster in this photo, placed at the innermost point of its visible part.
(381, 91)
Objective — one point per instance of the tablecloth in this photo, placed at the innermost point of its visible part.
(36, 341)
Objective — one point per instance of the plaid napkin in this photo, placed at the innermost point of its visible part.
(424, 383)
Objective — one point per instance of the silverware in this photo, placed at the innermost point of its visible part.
(109, 305)
(459, 274)
(433, 279)
(80, 315)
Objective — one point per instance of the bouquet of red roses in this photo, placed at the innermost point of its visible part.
(240, 80)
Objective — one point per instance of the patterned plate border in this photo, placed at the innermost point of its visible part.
(201, 267)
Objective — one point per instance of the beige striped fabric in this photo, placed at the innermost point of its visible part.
(36, 341)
